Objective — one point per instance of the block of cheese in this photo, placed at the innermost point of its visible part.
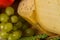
(27, 10)
(48, 15)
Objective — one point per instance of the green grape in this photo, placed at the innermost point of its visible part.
(15, 35)
(6, 27)
(14, 19)
(11, 37)
(3, 34)
(18, 24)
(21, 19)
(24, 27)
(14, 28)
(29, 32)
(9, 11)
(2, 25)
(4, 17)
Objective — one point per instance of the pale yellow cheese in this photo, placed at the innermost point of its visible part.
(27, 10)
(48, 15)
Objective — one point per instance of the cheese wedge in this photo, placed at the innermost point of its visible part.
(48, 15)
(26, 9)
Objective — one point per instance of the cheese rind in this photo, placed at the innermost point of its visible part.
(48, 15)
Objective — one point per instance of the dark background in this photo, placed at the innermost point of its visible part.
(14, 5)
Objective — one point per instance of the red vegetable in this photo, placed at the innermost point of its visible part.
(6, 3)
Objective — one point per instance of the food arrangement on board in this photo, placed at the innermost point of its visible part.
(29, 20)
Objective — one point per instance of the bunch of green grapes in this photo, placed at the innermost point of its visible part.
(12, 26)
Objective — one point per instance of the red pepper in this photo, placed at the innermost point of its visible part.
(6, 3)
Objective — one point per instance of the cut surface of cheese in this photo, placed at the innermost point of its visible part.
(26, 9)
(48, 15)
